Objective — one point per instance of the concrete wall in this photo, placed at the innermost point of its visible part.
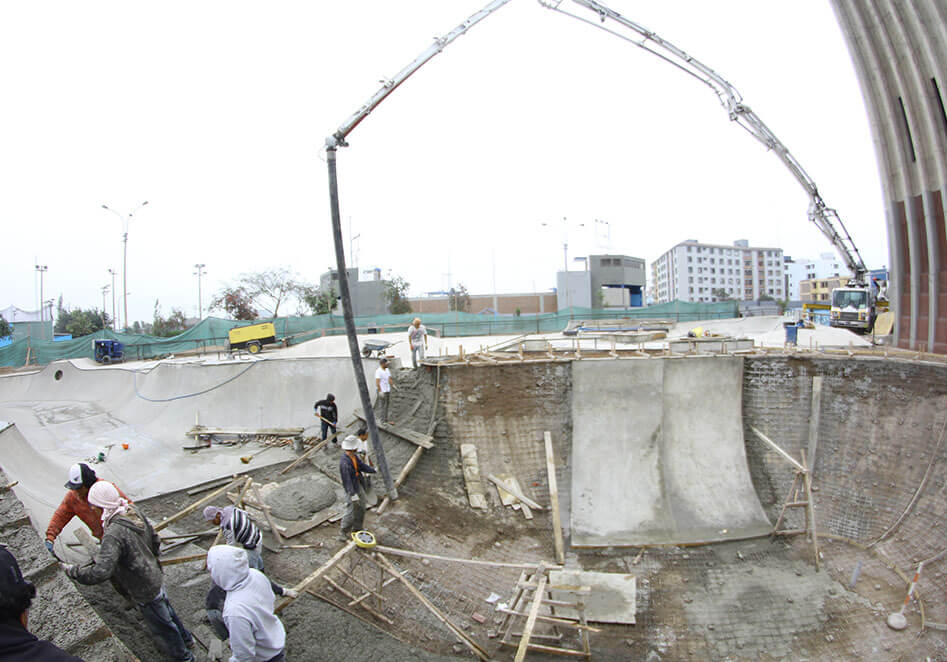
(899, 48)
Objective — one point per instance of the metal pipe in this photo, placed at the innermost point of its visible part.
(349, 318)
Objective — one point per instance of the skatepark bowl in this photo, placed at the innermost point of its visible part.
(661, 475)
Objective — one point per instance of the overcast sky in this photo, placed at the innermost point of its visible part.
(216, 113)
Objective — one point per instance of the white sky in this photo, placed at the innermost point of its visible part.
(216, 113)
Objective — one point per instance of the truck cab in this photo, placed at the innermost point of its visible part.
(852, 308)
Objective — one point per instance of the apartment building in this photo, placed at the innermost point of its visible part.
(828, 265)
(697, 272)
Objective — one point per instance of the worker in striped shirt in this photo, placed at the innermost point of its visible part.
(238, 529)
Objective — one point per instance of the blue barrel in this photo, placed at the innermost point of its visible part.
(792, 333)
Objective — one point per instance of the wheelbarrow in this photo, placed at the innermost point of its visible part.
(376, 347)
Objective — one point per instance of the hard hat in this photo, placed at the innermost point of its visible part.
(350, 443)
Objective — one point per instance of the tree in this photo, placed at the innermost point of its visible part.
(396, 291)
(721, 294)
(5, 328)
(319, 302)
(81, 322)
(264, 289)
(765, 297)
(171, 325)
(62, 317)
(458, 299)
(236, 302)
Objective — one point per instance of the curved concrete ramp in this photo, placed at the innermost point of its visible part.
(658, 455)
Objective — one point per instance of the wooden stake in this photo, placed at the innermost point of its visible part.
(305, 455)
(554, 499)
(533, 613)
(316, 574)
(266, 514)
(470, 643)
(350, 596)
(197, 504)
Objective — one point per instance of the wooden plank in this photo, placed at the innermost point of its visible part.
(259, 432)
(772, 444)
(402, 476)
(316, 574)
(197, 504)
(807, 481)
(554, 499)
(351, 596)
(815, 410)
(515, 492)
(196, 534)
(423, 440)
(183, 559)
(308, 453)
(434, 557)
(470, 643)
(267, 515)
(539, 648)
(531, 618)
(552, 619)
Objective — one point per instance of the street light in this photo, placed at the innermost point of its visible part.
(105, 290)
(565, 256)
(42, 269)
(125, 222)
(114, 321)
(200, 272)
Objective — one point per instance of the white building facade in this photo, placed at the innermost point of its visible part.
(696, 272)
(827, 266)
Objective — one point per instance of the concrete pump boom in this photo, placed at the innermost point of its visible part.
(819, 213)
(335, 141)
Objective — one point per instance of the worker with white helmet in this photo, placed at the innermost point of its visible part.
(351, 470)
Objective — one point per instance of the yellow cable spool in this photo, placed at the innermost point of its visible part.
(364, 539)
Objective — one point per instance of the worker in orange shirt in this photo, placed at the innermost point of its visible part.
(76, 504)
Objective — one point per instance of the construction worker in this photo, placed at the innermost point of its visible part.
(328, 413)
(216, 601)
(383, 384)
(129, 555)
(76, 504)
(238, 529)
(351, 468)
(417, 339)
(360, 439)
(256, 633)
(16, 595)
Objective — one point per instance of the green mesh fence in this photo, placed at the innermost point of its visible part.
(211, 333)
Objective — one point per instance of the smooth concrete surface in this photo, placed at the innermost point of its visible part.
(612, 600)
(658, 454)
(62, 421)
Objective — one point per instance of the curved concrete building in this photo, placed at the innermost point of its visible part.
(900, 52)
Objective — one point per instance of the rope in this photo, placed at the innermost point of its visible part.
(190, 395)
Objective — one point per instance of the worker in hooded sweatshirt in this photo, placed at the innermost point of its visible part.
(256, 634)
(238, 529)
(129, 555)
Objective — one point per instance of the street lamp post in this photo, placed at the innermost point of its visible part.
(114, 321)
(105, 290)
(125, 222)
(565, 257)
(42, 269)
(200, 305)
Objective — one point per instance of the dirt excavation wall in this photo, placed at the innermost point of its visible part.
(880, 458)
